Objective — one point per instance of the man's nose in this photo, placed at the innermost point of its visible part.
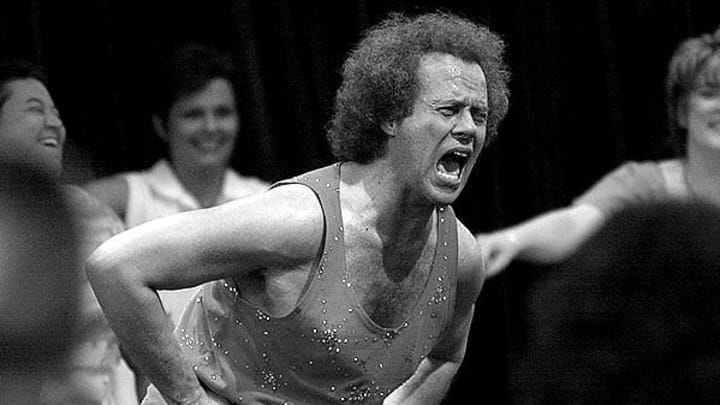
(465, 128)
(53, 120)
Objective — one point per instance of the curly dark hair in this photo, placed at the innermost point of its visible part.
(695, 63)
(380, 80)
(192, 66)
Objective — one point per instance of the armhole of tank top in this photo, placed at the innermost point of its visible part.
(318, 256)
(450, 217)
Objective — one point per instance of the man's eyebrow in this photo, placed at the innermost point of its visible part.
(34, 100)
(475, 104)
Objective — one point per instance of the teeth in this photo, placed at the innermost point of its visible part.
(449, 176)
(450, 167)
(50, 142)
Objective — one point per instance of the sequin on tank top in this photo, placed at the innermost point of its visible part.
(327, 350)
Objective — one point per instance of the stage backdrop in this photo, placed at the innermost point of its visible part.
(587, 94)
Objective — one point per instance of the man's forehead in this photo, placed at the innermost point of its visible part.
(25, 89)
(445, 75)
(450, 64)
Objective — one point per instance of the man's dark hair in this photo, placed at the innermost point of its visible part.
(17, 69)
(380, 77)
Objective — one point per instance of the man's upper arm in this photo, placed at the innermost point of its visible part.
(276, 228)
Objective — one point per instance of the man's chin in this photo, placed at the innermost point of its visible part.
(445, 194)
(48, 161)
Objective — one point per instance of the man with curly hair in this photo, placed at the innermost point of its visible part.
(351, 283)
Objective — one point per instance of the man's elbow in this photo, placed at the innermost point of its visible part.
(103, 269)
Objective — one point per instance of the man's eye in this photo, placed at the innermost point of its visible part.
(480, 118)
(36, 109)
(448, 111)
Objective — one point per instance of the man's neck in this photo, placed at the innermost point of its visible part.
(377, 198)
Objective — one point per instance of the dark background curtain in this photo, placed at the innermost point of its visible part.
(587, 94)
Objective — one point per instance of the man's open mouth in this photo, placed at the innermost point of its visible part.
(451, 164)
(50, 142)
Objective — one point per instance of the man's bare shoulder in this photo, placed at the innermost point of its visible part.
(471, 269)
(287, 219)
(291, 201)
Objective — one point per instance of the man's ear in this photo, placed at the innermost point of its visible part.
(389, 127)
(159, 127)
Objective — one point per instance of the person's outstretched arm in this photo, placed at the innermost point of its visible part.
(545, 239)
(277, 229)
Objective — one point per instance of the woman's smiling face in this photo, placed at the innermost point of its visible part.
(202, 127)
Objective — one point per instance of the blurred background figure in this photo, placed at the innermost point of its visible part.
(39, 281)
(196, 115)
(632, 316)
(30, 124)
(33, 135)
(693, 103)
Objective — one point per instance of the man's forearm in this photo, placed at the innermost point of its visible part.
(428, 385)
(145, 333)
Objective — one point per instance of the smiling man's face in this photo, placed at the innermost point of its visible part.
(30, 120)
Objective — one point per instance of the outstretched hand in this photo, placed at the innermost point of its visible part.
(498, 250)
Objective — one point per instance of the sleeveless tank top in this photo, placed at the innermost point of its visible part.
(327, 350)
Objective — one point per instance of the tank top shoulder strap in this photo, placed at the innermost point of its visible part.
(325, 182)
(448, 249)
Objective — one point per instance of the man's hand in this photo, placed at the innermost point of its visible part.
(498, 250)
